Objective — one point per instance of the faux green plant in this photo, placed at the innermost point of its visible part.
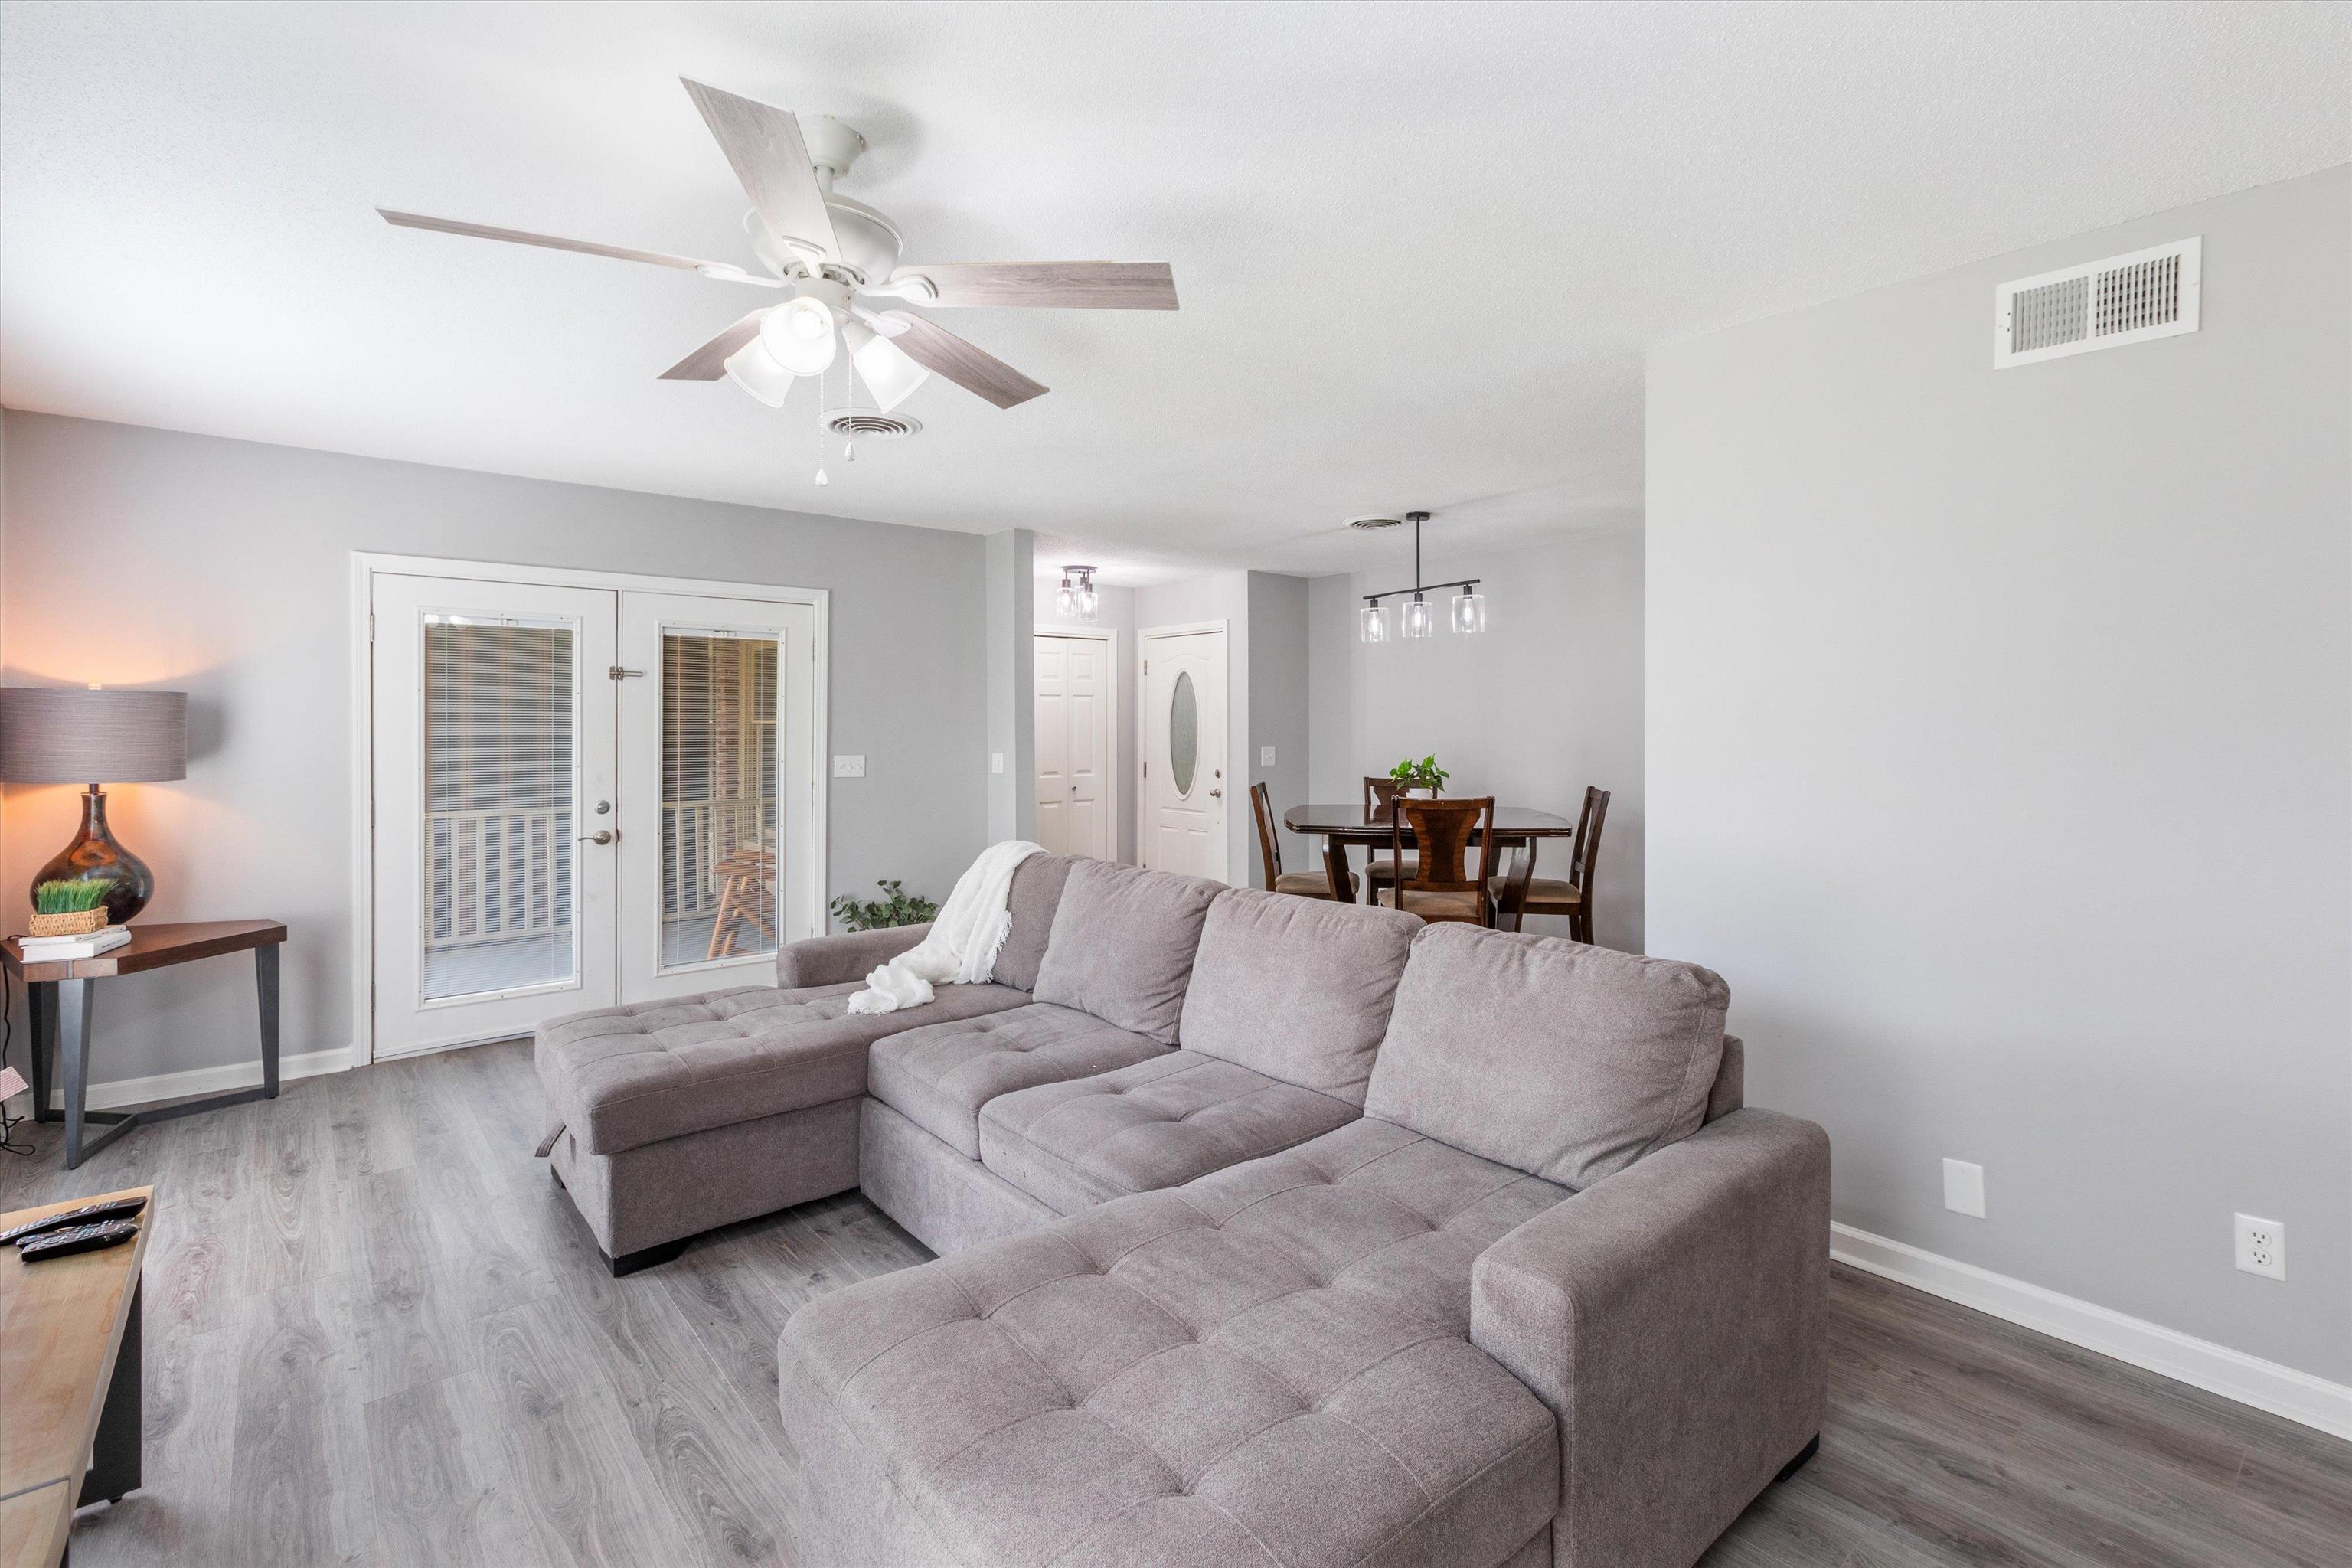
(900, 908)
(1422, 774)
(68, 897)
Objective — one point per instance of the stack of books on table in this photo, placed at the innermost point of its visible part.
(89, 944)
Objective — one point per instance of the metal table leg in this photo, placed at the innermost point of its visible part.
(41, 999)
(114, 1456)
(265, 982)
(73, 1041)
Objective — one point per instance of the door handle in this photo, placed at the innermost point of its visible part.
(1216, 794)
(602, 836)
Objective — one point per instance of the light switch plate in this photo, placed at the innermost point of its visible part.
(849, 767)
(1964, 1188)
(1265, 756)
(996, 762)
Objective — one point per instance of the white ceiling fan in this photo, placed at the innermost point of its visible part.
(836, 253)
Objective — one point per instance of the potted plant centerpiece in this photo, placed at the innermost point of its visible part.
(1423, 777)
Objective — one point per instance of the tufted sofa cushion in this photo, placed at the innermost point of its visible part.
(1564, 1060)
(1267, 1365)
(1300, 988)
(1156, 1124)
(938, 1076)
(620, 1077)
(1122, 945)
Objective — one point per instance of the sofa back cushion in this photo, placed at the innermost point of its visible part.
(1122, 945)
(1298, 989)
(1567, 1061)
(1037, 885)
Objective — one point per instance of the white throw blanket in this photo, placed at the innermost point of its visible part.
(961, 947)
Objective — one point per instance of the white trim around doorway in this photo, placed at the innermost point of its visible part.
(1109, 638)
(365, 567)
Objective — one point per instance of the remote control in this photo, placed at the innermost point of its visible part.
(88, 1214)
(80, 1238)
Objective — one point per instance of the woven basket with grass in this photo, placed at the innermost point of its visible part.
(69, 909)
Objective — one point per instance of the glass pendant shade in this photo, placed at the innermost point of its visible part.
(1469, 611)
(883, 365)
(1379, 621)
(1086, 603)
(799, 334)
(1419, 621)
(1067, 600)
(755, 370)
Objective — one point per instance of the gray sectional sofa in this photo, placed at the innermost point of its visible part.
(1272, 1230)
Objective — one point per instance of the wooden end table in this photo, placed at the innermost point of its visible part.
(59, 991)
(70, 1364)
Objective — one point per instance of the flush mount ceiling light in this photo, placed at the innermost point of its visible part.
(1077, 598)
(1379, 621)
(833, 253)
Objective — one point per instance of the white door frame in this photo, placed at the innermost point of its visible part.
(365, 566)
(1143, 710)
(1113, 779)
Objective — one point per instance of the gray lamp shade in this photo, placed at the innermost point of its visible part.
(62, 735)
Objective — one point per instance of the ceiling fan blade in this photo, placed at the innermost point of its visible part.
(765, 145)
(549, 241)
(709, 362)
(1073, 284)
(938, 350)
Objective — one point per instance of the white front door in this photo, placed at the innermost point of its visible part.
(1073, 745)
(719, 780)
(494, 744)
(1184, 726)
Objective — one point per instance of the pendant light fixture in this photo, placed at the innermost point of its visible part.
(1379, 621)
(1076, 600)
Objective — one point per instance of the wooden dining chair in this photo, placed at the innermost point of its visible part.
(1439, 886)
(1518, 892)
(1379, 870)
(1305, 884)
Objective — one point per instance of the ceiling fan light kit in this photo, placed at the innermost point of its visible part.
(1377, 622)
(831, 251)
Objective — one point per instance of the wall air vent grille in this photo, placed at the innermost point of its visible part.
(2099, 305)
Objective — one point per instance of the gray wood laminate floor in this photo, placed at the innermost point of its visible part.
(376, 1334)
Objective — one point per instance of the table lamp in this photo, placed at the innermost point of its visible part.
(60, 735)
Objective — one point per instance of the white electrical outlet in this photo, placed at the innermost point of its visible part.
(2262, 1246)
(849, 767)
(1964, 1188)
(1265, 756)
(996, 762)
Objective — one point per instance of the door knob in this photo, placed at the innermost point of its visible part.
(1216, 794)
(602, 836)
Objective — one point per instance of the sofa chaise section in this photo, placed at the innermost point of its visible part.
(1269, 1365)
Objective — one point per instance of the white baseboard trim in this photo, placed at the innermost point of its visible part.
(2217, 1369)
(127, 1091)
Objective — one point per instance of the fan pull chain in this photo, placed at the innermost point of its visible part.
(820, 476)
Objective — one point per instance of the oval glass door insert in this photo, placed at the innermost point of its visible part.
(1183, 733)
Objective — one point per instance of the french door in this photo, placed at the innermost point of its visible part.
(580, 796)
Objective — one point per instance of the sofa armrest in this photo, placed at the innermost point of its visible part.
(1675, 1317)
(853, 956)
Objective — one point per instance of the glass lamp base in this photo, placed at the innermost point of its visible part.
(94, 855)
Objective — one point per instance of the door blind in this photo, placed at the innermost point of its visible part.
(500, 777)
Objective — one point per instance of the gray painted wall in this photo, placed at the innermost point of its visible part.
(1546, 701)
(143, 557)
(1278, 713)
(2000, 758)
(1012, 686)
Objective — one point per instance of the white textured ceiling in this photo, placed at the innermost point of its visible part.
(1420, 248)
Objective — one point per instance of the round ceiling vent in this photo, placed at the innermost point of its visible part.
(865, 425)
(1376, 522)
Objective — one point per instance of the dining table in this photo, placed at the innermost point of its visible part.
(1347, 824)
